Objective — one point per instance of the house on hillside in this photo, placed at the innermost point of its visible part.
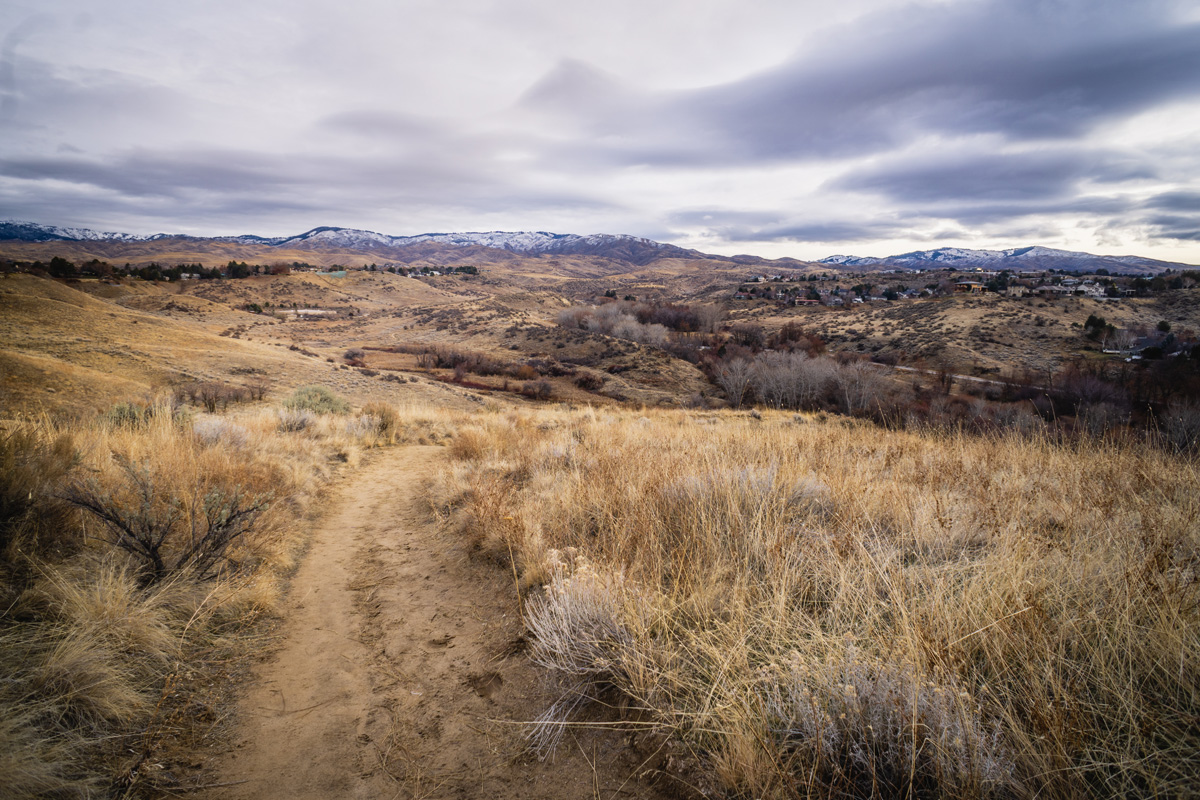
(969, 287)
(1051, 290)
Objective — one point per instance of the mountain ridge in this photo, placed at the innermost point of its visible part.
(635, 250)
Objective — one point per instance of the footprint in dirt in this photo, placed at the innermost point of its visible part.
(485, 684)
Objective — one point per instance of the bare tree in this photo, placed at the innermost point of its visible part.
(709, 317)
(1123, 340)
(858, 384)
(734, 379)
(770, 378)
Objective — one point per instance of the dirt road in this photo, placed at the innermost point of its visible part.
(400, 672)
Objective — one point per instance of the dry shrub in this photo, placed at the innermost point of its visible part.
(580, 634)
(172, 503)
(468, 445)
(836, 610)
(386, 420)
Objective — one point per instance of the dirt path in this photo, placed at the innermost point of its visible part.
(400, 672)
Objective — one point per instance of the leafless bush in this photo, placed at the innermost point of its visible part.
(618, 319)
(790, 380)
(734, 378)
(294, 420)
(213, 395)
(166, 532)
(858, 385)
(589, 382)
(1182, 426)
(578, 633)
(538, 390)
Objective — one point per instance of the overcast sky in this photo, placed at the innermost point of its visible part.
(802, 128)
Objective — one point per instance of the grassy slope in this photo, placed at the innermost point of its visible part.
(67, 350)
(823, 608)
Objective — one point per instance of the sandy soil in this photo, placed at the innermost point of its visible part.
(401, 671)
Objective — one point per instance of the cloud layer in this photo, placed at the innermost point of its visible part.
(793, 131)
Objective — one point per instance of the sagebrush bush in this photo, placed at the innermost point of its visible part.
(317, 399)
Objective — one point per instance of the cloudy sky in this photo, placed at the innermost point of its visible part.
(776, 127)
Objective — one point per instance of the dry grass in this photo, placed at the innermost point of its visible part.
(828, 609)
(97, 649)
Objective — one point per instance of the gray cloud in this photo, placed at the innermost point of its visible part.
(1175, 201)
(157, 174)
(985, 176)
(978, 118)
(1021, 69)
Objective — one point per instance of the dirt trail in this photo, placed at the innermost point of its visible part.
(400, 672)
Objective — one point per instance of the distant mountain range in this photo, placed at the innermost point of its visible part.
(1017, 259)
(629, 249)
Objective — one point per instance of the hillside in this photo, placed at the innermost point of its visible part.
(64, 349)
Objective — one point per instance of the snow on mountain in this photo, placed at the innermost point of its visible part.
(1016, 258)
(632, 249)
(517, 241)
(32, 232)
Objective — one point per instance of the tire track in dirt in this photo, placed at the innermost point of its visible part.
(400, 671)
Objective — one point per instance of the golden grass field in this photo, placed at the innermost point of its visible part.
(824, 609)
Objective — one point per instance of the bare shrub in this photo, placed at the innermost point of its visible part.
(590, 382)
(734, 377)
(858, 385)
(580, 635)
(294, 420)
(1182, 426)
(538, 390)
(167, 531)
(216, 431)
(790, 380)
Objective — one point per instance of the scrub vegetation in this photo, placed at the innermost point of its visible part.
(822, 608)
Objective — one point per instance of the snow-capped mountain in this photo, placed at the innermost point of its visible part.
(633, 249)
(31, 232)
(1017, 259)
(628, 248)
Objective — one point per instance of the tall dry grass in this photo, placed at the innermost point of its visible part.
(829, 609)
(99, 644)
